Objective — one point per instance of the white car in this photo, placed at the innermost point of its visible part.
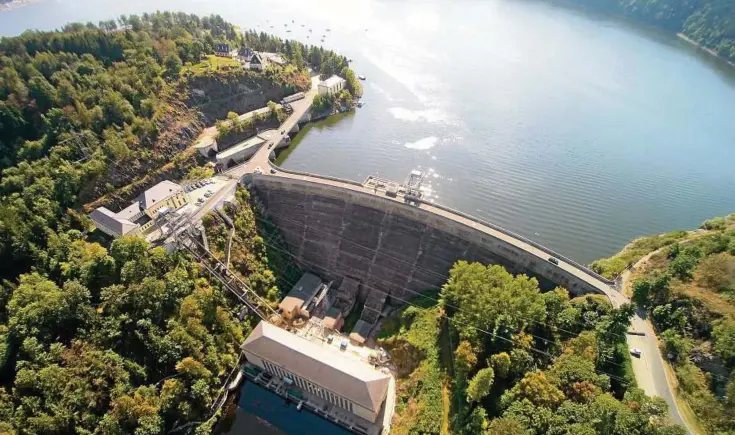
(636, 352)
(258, 170)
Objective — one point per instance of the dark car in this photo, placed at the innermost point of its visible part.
(553, 260)
(273, 171)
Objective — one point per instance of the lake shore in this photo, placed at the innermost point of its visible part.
(15, 4)
(701, 47)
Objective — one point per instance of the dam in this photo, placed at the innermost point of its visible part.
(382, 245)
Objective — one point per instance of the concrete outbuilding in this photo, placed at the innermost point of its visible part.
(332, 85)
(296, 302)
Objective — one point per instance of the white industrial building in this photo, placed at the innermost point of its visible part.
(331, 85)
(320, 370)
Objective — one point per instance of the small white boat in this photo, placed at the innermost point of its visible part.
(361, 77)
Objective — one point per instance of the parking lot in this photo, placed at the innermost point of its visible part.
(201, 191)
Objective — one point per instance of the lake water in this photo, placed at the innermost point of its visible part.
(578, 131)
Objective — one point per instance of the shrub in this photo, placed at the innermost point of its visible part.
(718, 223)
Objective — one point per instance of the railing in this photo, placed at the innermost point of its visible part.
(309, 174)
(509, 233)
(536, 245)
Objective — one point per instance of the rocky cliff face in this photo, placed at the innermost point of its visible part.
(216, 95)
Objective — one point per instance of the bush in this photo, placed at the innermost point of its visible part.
(718, 223)
(682, 266)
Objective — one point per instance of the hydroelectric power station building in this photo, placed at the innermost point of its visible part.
(319, 370)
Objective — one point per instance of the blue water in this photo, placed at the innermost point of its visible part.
(578, 131)
(257, 401)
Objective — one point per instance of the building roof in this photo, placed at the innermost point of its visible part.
(322, 365)
(332, 317)
(159, 192)
(301, 293)
(361, 331)
(130, 211)
(332, 81)
(222, 48)
(231, 151)
(274, 57)
(107, 218)
(257, 58)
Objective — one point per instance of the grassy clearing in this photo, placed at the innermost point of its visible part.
(613, 266)
(211, 63)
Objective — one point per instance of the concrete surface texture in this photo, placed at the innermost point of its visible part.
(388, 245)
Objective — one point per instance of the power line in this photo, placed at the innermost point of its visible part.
(427, 297)
(442, 277)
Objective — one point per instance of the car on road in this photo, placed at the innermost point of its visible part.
(258, 170)
(553, 260)
(273, 171)
(283, 131)
(636, 352)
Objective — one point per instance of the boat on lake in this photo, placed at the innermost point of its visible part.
(361, 77)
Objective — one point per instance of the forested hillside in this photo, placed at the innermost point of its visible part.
(494, 355)
(710, 23)
(113, 338)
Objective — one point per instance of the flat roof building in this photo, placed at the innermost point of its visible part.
(296, 302)
(240, 152)
(320, 370)
(331, 85)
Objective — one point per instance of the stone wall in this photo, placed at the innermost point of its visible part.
(387, 245)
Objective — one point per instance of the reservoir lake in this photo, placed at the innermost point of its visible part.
(576, 130)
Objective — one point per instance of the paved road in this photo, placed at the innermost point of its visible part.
(649, 369)
(262, 157)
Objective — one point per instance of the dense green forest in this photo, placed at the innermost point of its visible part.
(493, 354)
(710, 23)
(121, 337)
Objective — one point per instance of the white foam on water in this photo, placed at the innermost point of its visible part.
(423, 144)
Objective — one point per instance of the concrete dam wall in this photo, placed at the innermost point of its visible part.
(390, 248)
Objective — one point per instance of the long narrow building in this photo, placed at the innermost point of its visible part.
(322, 371)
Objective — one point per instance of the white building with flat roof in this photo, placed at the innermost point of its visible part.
(323, 371)
(331, 85)
(240, 152)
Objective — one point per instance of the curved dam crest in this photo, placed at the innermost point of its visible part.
(346, 232)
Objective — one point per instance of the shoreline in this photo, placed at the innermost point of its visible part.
(4, 7)
(699, 46)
